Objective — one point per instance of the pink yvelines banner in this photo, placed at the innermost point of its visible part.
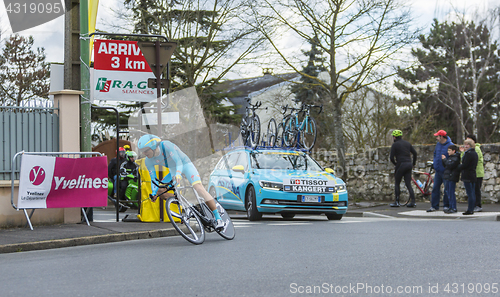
(53, 182)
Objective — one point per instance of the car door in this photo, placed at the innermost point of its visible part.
(240, 179)
(229, 191)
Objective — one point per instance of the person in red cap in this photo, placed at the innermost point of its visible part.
(443, 142)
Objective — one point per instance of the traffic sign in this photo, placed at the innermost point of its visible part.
(153, 51)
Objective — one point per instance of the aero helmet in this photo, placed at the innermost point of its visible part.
(397, 133)
(148, 141)
(131, 154)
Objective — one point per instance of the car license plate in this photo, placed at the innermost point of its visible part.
(309, 198)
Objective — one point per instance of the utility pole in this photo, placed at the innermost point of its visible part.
(72, 45)
(85, 130)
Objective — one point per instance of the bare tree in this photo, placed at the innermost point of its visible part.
(456, 77)
(23, 72)
(359, 39)
(211, 36)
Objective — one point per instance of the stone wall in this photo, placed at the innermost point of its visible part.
(371, 174)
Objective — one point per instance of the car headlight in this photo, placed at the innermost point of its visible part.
(271, 185)
(340, 188)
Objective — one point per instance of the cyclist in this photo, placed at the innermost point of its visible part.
(160, 152)
(401, 152)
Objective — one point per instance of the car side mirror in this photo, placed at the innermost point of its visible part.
(329, 170)
(239, 168)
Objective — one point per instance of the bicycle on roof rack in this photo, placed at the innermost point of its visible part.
(250, 125)
(300, 132)
(190, 215)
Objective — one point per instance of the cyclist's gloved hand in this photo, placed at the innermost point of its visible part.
(153, 197)
(178, 179)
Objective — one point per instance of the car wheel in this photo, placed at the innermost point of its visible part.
(251, 204)
(287, 215)
(334, 216)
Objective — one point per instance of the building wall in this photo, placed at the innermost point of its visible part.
(68, 103)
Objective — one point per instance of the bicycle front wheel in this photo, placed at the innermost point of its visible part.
(271, 132)
(254, 136)
(308, 135)
(185, 221)
(228, 231)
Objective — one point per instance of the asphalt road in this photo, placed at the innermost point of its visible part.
(273, 257)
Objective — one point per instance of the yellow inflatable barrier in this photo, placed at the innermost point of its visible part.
(150, 211)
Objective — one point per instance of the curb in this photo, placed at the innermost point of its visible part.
(87, 240)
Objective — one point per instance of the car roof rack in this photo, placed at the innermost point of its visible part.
(230, 148)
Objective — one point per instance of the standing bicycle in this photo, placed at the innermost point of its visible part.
(190, 215)
(250, 125)
(300, 132)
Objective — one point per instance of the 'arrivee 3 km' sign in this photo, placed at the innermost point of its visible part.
(121, 72)
(53, 182)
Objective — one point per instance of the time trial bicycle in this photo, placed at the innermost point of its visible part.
(191, 216)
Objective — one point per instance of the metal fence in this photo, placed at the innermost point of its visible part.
(30, 129)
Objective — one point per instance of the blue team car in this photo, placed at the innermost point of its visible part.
(267, 181)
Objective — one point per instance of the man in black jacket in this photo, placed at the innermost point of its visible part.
(468, 168)
(401, 152)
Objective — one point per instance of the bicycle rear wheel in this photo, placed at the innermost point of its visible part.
(290, 132)
(190, 226)
(308, 135)
(279, 136)
(254, 136)
(271, 132)
(228, 231)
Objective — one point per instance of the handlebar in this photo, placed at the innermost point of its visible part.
(302, 108)
(253, 106)
(169, 186)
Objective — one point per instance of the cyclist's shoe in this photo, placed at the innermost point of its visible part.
(411, 205)
(432, 209)
(394, 204)
(219, 225)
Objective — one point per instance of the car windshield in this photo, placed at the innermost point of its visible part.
(284, 160)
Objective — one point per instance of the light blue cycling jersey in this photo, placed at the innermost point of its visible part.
(177, 162)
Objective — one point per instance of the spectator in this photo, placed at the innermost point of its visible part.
(112, 166)
(479, 172)
(129, 167)
(468, 168)
(401, 151)
(443, 142)
(451, 176)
